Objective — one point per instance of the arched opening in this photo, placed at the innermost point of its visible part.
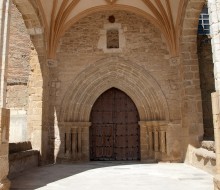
(114, 133)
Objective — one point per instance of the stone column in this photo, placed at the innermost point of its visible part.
(75, 143)
(153, 139)
(214, 12)
(145, 146)
(4, 113)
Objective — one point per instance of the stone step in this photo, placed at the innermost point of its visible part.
(203, 158)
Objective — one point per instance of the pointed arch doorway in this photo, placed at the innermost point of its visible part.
(115, 133)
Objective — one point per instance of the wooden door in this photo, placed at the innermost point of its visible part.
(114, 134)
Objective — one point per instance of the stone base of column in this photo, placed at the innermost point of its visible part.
(5, 184)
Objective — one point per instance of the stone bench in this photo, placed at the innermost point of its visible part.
(21, 158)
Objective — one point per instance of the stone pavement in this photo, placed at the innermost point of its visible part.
(114, 176)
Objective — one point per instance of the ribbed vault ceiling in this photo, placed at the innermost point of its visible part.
(59, 15)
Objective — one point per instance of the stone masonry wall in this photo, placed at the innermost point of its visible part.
(207, 83)
(192, 115)
(143, 46)
(19, 50)
(18, 73)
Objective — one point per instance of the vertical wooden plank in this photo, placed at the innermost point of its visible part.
(115, 116)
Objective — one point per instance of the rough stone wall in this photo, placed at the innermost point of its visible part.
(206, 68)
(18, 73)
(144, 47)
(19, 50)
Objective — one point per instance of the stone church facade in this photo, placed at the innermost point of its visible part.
(108, 80)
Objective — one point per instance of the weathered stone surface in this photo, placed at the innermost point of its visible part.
(201, 158)
(191, 92)
(19, 50)
(209, 145)
(18, 74)
(19, 147)
(22, 161)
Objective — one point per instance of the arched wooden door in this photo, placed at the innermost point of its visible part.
(114, 134)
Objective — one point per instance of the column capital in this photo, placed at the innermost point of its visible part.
(153, 123)
(80, 124)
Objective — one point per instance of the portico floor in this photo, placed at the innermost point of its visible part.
(114, 176)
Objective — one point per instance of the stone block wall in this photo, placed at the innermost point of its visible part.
(18, 74)
(143, 47)
(192, 115)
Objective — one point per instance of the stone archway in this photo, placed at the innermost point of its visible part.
(128, 77)
(119, 73)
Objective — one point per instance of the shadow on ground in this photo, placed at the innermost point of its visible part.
(41, 176)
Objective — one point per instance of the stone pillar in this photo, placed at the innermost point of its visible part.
(4, 113)
(214, 12)
(145, 146)
(75, 141)
(153, 140)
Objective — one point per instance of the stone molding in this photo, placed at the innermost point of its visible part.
(142, 88)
